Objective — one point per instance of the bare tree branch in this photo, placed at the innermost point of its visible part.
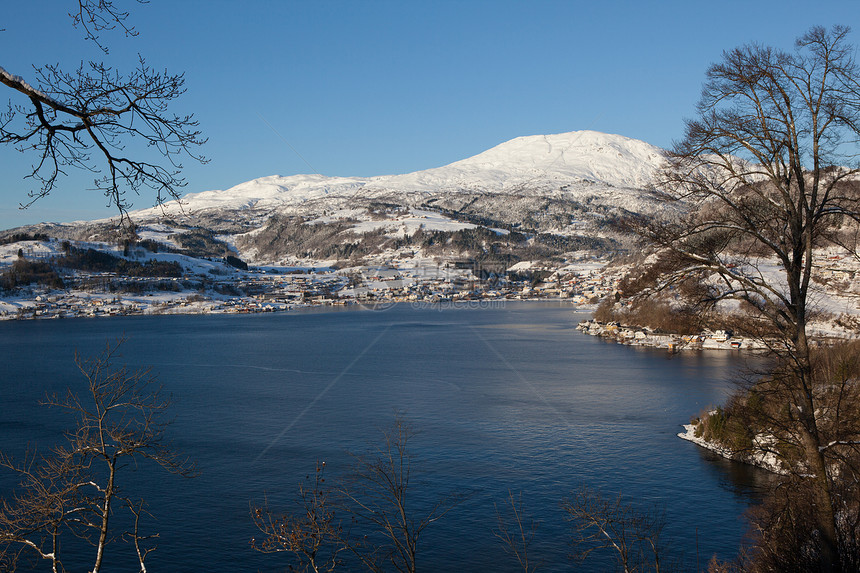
(116, 125)
(516, 532)
(632, 536)
(313, 534)
(96, 16)
(376, 495)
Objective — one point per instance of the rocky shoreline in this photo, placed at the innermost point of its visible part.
(759, 458)
(643, 336)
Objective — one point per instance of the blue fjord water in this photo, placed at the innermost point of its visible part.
(506, 398)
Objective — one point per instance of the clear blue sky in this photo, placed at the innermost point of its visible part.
(383, 87)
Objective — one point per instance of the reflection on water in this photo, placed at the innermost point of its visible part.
(511, 398)
(748, 482)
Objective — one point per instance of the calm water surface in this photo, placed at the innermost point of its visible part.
(507, 398)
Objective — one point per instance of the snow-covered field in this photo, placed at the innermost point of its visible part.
(399, 224)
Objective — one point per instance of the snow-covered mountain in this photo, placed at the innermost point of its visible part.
(572, 186)
(609, 169)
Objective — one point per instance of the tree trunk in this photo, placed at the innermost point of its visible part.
(103, 532)
(825, 515)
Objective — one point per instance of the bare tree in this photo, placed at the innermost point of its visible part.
(102, 120)
(376, 497)
(73, 489)
(769, 172)
(312, 534)
(516, 531)
(632, 536)
(377, 494)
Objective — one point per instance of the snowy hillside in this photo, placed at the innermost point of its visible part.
(268, 192)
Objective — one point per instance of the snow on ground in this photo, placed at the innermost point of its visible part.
(521, 266)
(35, 250)
(584, 266)
(397, 223)
(159, 233)
(263, 193)
(340, 215)
(30, 249)
(403, 225)
(833, 292)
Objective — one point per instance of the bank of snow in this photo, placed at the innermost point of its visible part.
(759, 457)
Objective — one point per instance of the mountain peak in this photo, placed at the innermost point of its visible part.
(590, 155)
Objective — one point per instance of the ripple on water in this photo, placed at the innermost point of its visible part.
(507, 399)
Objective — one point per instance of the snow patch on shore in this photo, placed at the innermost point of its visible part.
(763, 459)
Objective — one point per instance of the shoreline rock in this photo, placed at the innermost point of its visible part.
(640, 336)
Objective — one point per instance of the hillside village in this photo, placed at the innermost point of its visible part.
(214, 286)
(195, 285)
